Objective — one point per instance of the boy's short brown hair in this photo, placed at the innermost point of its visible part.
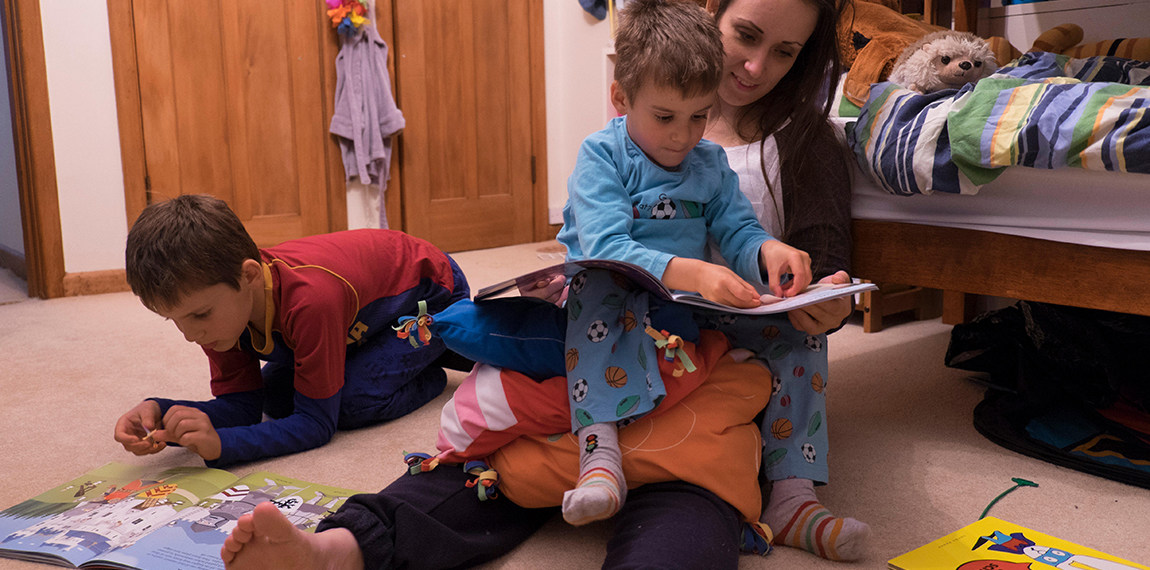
(671, 43)
(183, 245)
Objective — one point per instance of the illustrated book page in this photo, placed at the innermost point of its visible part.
(124, 516)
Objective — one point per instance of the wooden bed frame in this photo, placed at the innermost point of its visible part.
(962, 261)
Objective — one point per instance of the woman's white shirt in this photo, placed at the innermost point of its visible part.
(744, 160)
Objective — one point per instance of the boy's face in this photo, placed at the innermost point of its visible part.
(662, 122)
(213, 317)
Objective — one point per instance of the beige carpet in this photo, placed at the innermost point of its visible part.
(905, 456)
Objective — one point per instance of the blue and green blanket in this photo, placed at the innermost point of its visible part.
(1042, 110)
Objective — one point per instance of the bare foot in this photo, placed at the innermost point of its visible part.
(264, 538)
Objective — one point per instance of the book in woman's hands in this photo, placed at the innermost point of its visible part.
(815, 293)
(124, 516)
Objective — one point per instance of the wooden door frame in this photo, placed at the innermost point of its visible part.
(543, 229)
(128, 109)
(35, 154)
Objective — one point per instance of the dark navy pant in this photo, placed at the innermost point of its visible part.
(433, 521)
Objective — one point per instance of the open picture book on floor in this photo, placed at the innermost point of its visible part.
(125, 516)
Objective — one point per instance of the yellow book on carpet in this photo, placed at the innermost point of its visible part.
(994, 544)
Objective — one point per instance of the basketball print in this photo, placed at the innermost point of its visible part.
(771, 333)
(817, 383)
(629, 321)
(616, 377)
(621, 281)
(781, 428)
(572, 359)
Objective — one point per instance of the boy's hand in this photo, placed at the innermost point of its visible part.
(820, 318)
(713, 282)
(778, 259)
(132, 429)
(191, 428)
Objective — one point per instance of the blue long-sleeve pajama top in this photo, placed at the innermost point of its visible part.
(622, 205)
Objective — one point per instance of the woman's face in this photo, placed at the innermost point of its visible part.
(761, 39)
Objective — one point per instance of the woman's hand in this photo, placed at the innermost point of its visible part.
(553, 290)
(822, 317)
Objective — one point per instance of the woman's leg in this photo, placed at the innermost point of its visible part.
(426, 521)
(674, 525)
(433, 520)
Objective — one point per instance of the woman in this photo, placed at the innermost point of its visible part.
(433, 521)
(772, 120)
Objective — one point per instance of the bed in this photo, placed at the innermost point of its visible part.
(1045, 213)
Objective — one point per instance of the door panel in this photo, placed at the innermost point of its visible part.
(231, 96)
(464, 87)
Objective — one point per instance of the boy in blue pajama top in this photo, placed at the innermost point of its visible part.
(649, 191)
(319, 310)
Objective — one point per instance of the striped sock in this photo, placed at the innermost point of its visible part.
(601, 488)
(797, 518)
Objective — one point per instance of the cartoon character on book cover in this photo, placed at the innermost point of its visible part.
(1045, 556)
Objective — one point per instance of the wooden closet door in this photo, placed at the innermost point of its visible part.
(231, 97)
(464, 86)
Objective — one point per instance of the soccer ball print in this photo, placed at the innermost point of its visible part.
(814, 343)
(579, 390)
(664, 210)
(597, 332)
(578, 282)
(809, 453)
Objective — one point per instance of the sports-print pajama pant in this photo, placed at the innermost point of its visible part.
(795, 425)
(613, 374)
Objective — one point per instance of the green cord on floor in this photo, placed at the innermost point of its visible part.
(1018, 482)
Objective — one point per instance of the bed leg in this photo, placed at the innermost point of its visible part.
(892, 299)
(957, 307)
(871, 304)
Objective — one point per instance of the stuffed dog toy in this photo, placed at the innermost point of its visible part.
(943, 60)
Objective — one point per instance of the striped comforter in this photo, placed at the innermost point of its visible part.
(1042, 110)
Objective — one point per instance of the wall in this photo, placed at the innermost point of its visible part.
(82, 101)
(86, 136)
(1100, 20)
(576, 77)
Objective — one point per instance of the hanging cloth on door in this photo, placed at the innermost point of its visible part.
(366, 116)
